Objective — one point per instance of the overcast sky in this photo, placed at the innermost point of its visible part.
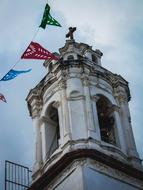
(114, 27)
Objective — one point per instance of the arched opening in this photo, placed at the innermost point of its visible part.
(70, 57)
(94, 58)
(106, 120)
(52, 129)
(53, 114)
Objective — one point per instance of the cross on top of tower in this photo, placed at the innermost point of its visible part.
(70, 33)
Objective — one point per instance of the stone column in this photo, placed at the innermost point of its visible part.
(119, 134)
(38, 142)
(88, 103)
(65, 112)
(38, 138)
(43, 135)
(95, 117)
(125, 117)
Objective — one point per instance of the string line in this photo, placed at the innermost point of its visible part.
(34, 36)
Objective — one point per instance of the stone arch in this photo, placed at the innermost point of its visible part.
(70, 57)
(94, 58)
(106, 118)
(103, 92)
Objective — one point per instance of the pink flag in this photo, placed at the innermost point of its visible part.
(36, 51)
(2, 98)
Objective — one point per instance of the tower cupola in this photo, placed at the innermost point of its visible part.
(82, 120)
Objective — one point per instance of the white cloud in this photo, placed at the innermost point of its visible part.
(109, 20)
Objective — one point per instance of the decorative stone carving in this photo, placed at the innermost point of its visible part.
(62, 84)
(36, 107)
(122, 98)
(85, 81)
(56, 104)
(95, 98)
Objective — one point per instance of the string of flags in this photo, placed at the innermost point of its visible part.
(34, 50)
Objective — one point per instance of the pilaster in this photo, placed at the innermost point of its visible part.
(88, 104)
(64, 112)
(38, 136)
(125, 117)
(120, 137)
(94, 99)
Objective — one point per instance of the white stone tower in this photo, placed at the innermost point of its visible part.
(83, 133)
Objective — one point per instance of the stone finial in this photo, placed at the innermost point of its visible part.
(70, 33)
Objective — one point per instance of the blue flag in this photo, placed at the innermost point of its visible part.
(12, 74)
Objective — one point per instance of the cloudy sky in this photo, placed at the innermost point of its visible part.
(114, 27)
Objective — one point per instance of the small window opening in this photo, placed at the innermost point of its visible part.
(94, 58)
(70, 57)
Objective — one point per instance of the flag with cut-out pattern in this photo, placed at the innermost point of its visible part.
(2, 98)
(48, 19)
(12, 74)
(36, 51)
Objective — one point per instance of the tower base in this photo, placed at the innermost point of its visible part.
(88, 169)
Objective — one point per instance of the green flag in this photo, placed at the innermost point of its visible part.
(52, 21)
(48, 19)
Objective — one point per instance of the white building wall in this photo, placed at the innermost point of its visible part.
(97, 180)
(74, 181)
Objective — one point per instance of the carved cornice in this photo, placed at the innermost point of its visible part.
(95, 98)
(36, 108)
(86, 82)
(122, 98)
(48, 84)
(35, 103)
(93, 154)
(120, 83)
(73, 46)
(62, 84)
(67, 44)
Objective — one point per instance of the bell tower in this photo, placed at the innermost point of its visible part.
(82, 122)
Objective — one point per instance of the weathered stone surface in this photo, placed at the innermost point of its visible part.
(66, 116)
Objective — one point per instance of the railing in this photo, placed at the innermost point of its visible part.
(17, 177)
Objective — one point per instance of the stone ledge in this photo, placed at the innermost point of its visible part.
(69, 157)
